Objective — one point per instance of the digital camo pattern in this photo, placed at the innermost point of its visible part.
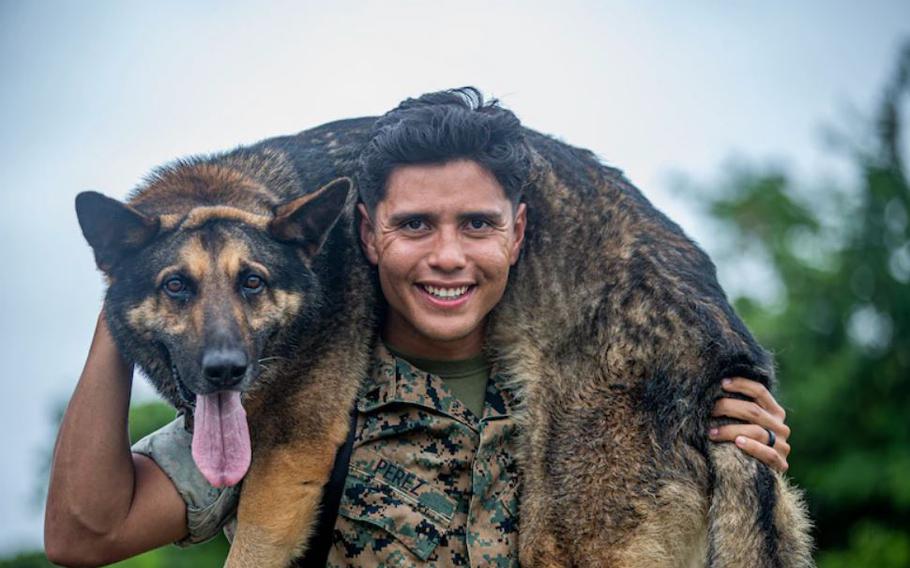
(429, 482)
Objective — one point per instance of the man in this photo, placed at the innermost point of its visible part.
(432, 478)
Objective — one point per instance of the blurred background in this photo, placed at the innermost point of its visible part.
(773, 132)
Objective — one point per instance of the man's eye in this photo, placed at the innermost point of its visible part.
(414, 225)
(175, 287)
(253, 284)
(478, 224)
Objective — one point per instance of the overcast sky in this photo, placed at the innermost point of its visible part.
(95, 94)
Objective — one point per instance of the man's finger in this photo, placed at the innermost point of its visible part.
(762, 452)
(730, 432)
(756, 391)
(748, 412)
(751, 413)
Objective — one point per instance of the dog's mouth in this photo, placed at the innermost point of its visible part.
(221, 438)
(186, 395)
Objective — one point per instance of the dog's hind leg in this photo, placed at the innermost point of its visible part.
(672, 533)
(756, 520)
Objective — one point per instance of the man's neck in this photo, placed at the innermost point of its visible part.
(406, 339)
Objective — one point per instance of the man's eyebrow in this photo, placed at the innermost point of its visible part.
(402, 216)
(493, 214)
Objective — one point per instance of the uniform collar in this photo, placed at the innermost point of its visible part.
(395, 380)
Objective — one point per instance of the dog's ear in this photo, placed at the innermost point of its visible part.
(306, 221)
(112, 228)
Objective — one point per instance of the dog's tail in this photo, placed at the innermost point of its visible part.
(756, 519)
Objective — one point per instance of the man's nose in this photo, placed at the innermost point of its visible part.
(448, 251)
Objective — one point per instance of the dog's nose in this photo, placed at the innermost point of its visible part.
(224, 368)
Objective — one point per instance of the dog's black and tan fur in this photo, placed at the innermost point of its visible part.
(306, 334)
(613, 324)
(621, 358)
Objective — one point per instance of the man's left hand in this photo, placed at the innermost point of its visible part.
(760, 415)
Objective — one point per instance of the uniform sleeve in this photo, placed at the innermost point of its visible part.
(208, 509)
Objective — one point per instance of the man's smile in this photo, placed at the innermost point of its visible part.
(446, 296)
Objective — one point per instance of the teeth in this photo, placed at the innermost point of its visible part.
(447, 293)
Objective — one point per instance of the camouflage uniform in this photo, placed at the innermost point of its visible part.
(429, 482)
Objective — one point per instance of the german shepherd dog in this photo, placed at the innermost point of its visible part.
(240, 273)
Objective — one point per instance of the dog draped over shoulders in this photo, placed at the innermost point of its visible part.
(241, 272)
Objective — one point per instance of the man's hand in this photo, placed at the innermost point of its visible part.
(760, 415)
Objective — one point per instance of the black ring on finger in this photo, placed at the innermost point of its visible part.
(772, 439)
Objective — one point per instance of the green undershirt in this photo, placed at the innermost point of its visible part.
(466, 378)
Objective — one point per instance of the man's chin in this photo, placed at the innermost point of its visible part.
(423, 333)
(452, 337)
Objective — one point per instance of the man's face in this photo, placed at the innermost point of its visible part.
(443, 239)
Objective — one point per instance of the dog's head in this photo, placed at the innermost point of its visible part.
(196, 297)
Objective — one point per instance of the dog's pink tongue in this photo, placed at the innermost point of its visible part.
(221, 439)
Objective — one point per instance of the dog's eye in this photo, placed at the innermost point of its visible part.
(175, 286)
(253, 284)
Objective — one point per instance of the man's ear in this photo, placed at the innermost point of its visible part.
(367, 235)
(307, 220)
(112, 228)
(519, 225)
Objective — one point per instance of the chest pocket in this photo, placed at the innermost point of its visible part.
(385, 495)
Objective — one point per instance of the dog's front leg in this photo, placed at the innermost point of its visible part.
(279, 504)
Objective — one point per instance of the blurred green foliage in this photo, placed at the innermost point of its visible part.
(26, 560)
(147, 417)
(208, 555)
(840, 331)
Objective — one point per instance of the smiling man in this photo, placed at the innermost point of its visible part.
(432, 478)
(443, 238)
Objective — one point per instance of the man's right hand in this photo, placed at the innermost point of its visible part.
(104, 502)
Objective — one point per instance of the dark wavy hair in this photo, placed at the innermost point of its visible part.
(439, 127)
